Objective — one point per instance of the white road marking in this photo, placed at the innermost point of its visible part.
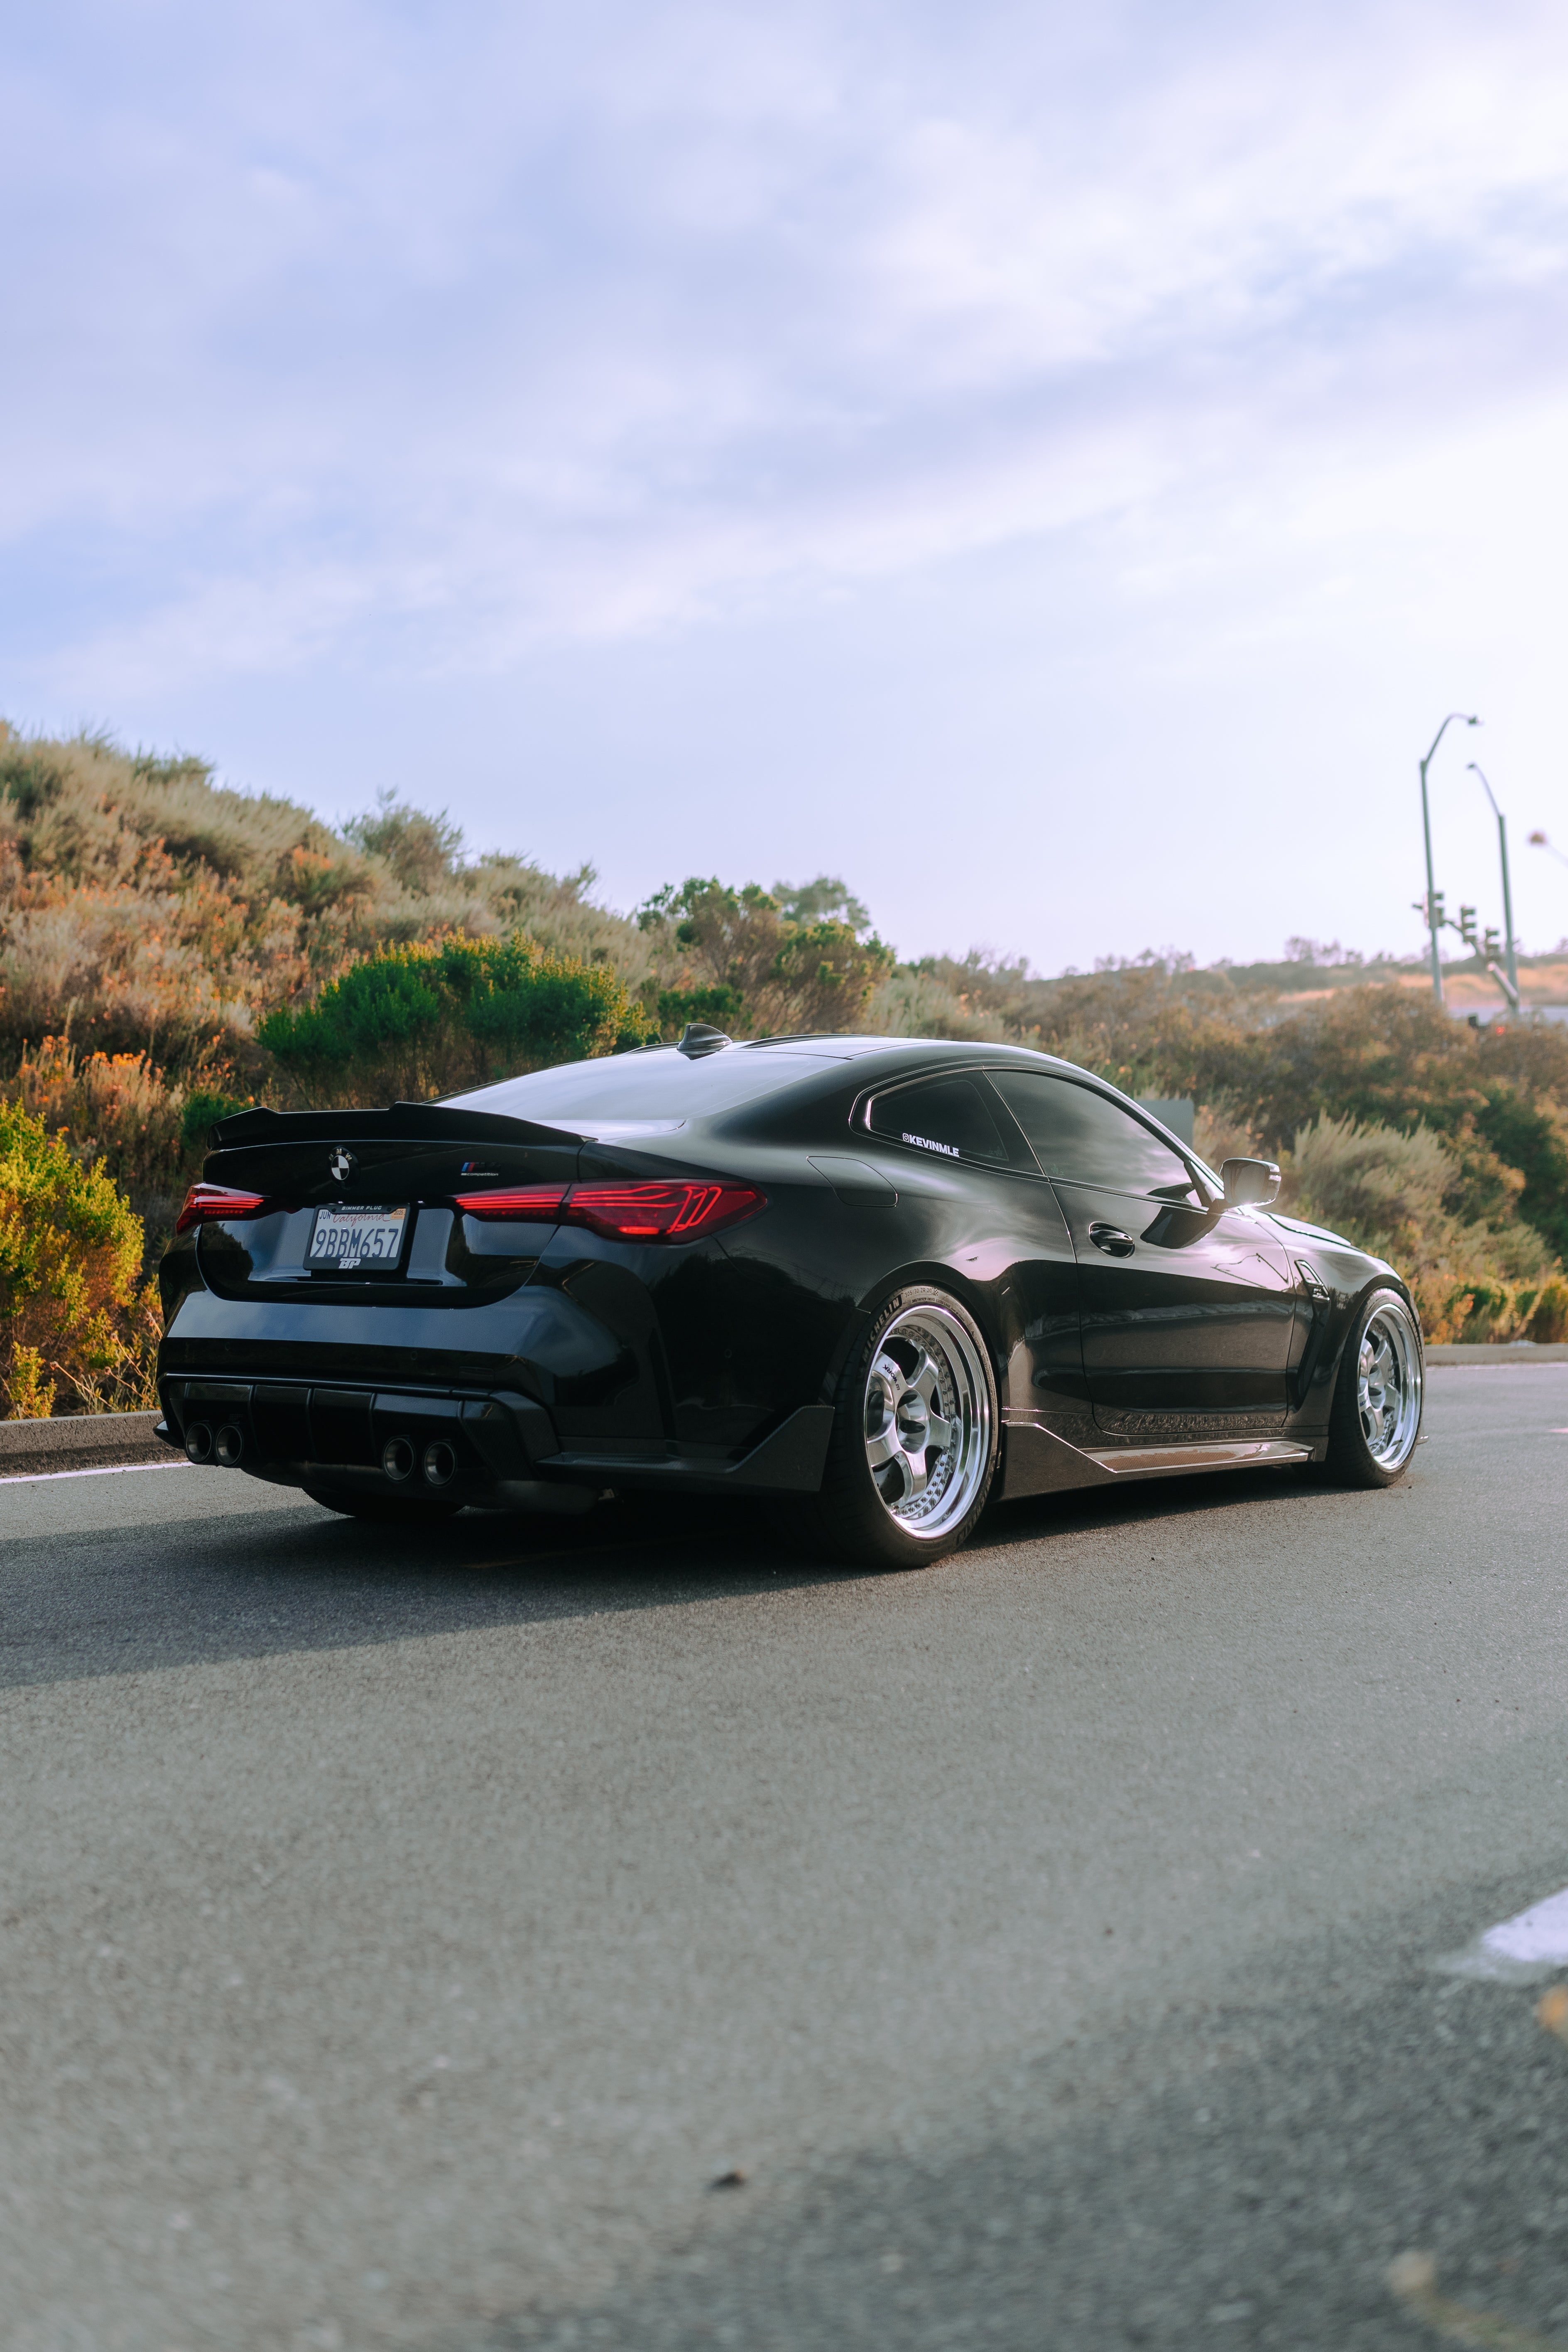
(110, 1470)
(1530, 1945)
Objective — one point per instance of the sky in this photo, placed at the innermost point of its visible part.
(1054, 468)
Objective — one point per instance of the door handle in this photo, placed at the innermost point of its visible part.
(1111, 1240)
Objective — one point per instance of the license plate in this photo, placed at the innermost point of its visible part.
(356, 1241)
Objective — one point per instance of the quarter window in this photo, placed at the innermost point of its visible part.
(947, 1117)
(1083, 1137)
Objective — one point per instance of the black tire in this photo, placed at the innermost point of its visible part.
(383, 1510)
(883, 1517)
(1375, 1418)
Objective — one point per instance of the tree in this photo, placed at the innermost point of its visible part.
(739, 962)
(824, 900)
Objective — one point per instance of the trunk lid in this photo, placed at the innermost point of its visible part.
(322, 1174)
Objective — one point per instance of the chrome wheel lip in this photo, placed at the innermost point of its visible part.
(1389, 1375)
(927, 1380)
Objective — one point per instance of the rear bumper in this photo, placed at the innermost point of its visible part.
(492, 1447)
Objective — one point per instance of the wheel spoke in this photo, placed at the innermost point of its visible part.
(891, 1374)
(905, 1492)
(883, 1448)
(939, 1431)
(915, 1472)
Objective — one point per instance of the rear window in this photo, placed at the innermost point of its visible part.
(663, 1086)
(948, 1118)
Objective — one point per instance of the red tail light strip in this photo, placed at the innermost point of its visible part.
(622, 1213)
(206, 1202)
(515, 1204)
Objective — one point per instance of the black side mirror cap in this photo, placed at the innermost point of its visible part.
(1250, 1183)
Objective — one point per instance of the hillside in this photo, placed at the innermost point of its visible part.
(169, 948)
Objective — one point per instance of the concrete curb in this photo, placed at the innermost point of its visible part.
(1523, 1351)
(85, 1440)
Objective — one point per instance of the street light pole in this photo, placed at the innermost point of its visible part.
(1507, 892)
(1426, 834)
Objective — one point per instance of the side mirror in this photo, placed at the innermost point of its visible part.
(1250, 1183)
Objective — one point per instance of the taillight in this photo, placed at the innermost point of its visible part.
(659, 1212)
(623, 1212)
(206, 1202)
(532, 1204)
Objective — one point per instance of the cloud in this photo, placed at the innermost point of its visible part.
(803, 389)
(586, 331)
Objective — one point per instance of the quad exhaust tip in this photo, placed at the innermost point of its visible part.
(439, 1461)
(227, 1448)
(397, 1459)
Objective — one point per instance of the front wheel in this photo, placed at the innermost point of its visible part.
(915, 1435)
(1377, 1414)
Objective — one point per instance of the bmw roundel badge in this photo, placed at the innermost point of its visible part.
(342, 1165)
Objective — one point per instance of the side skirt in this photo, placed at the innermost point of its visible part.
(1039, 1462)
(1230, 1454)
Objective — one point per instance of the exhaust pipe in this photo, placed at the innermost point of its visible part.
(397, 1459)
(198, 1442)
(228, 1447)
(440, 1464)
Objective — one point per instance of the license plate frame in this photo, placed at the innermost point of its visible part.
(373, 1240)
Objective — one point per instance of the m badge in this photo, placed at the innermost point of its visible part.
(342, 1165)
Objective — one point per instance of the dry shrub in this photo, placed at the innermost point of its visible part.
(912, 1003)
(144, 909)
(76, 1325)
(1402, 1197)
(1218, 1135)
(1549, 1321)
(113, 1109)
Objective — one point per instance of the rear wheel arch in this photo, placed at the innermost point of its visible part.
(937, 1276)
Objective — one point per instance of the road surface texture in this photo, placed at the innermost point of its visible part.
(402, 1933)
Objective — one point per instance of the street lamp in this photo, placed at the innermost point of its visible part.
(1507, 893)
(1432, 916)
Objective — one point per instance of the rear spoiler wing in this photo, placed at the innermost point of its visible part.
(403, 1122)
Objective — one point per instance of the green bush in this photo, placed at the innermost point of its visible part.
(414, 1022)
(73, 1321)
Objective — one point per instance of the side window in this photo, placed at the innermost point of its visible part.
(1082, 1137)
(948, 1118)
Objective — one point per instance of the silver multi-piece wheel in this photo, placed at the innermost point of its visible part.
(928, 1420)
(1377, 1403)
(915, 1435)
(1388, 1386)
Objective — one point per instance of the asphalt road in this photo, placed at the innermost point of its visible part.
(401, 1935)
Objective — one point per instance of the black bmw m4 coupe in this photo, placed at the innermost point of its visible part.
(882, 1280)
